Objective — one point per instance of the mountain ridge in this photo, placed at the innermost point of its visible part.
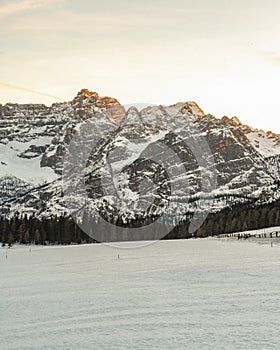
(34, 139)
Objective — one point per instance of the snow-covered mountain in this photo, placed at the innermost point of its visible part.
(266, 143)
(143, 162)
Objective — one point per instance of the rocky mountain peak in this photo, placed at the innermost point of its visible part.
(133, 116)
(234, 121)
(272, 135)
(266, 143)
(194, 109)
(86, 99)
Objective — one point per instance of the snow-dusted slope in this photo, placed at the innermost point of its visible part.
(268, 144)
(22, 160)
(265, 143)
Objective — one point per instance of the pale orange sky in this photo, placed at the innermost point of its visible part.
(225, 55)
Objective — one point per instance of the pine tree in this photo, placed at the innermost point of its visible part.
(37, 237)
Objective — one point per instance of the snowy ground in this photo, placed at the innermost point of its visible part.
(194, 294)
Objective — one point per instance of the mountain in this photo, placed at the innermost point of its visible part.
(91, 155)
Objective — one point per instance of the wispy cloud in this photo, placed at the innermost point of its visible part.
(13, 7)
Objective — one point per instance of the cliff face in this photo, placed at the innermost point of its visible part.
(143, 162)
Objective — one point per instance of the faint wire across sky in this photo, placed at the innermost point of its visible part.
(20, 88)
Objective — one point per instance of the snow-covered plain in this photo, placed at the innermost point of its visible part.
(184, 294)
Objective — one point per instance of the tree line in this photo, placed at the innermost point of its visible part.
(64, 230)
(60, 230)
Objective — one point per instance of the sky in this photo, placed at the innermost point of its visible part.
(222, 54)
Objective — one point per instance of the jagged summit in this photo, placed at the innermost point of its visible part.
(86, 98)
(195, 109)
(234, 121)
(117, 111)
